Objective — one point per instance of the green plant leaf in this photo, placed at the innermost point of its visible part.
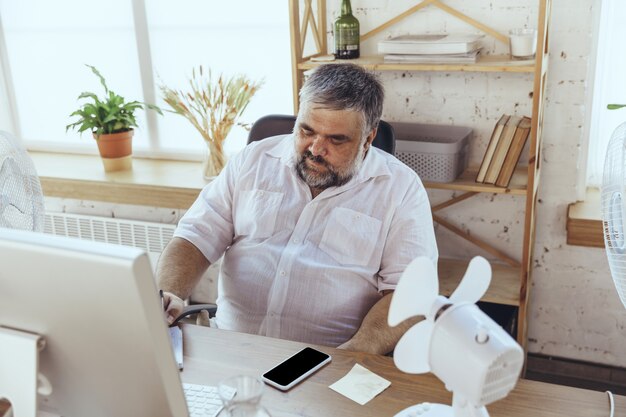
(87, 94)
(615, 106)
(155, 108)
(109, 118)
(100, 77)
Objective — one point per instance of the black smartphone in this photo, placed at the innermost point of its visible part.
(296, 368)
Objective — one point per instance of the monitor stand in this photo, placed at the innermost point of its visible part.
(19, 363)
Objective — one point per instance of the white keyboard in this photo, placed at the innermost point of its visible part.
(203, 400)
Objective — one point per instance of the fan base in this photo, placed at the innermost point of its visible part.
(441, 410)
(427, 410)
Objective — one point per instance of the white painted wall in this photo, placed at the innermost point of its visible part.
(574, 310)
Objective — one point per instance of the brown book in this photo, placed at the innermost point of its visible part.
(515, 151)
(501, 149)
(491, 147)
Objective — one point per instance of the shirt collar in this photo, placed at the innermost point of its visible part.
(284, 150)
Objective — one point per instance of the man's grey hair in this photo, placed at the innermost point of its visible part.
(345, 87)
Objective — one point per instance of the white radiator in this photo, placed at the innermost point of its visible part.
(149, 236)
(152, 237)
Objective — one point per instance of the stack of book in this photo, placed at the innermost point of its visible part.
(504, 150)
(430, 48)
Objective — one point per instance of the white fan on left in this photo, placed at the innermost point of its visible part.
(21, 198)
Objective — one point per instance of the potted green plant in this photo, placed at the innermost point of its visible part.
(111, 121)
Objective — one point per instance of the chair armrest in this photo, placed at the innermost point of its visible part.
(195, 309)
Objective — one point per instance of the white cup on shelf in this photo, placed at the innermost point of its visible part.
(523, 43)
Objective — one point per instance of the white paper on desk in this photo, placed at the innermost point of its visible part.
(360, 384)
(176, 338)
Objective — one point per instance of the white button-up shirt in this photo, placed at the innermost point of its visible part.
(300, 268)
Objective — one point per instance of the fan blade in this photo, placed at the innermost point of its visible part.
(417, 289)
(413, 350)
(474, 283)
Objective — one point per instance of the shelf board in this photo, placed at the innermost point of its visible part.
(466, 182)
(487, 63)
(505, 281)
(584, 221)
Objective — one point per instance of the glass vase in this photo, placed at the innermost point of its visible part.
(214, 160)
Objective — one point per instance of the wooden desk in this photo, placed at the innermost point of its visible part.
(211, 355)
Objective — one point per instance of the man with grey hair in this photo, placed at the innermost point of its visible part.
(315, 227)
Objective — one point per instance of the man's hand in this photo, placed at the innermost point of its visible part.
(180, 267)
(172, 306)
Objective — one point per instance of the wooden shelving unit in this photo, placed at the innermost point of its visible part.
(511, 280)
(488, 63)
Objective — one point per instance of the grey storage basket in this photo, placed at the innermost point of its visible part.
(437, 153)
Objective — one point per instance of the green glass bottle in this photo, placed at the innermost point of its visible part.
(346, 33)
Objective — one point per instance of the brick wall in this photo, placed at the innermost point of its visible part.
(574, 312)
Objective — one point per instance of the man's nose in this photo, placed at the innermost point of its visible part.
(318, 146)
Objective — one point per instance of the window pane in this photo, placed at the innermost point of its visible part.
(48, 44)
(610, 87)
(247, 37)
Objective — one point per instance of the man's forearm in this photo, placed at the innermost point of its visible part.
(375, 335)
(180, 267)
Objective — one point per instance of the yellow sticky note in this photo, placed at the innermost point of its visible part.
(360, 384)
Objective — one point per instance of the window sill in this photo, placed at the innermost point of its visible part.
(151, 182)
(584, 222)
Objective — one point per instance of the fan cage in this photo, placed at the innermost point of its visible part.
(21, 198)
(614, 209)
(499, 380)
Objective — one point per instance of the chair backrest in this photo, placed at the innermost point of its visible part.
(280, 124)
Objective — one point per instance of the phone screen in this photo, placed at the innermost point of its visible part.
(297, 365)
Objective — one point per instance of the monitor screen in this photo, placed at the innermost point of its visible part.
(107, 351)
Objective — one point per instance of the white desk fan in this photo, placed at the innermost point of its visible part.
(614, 208)
(475, 358)
(21, 199)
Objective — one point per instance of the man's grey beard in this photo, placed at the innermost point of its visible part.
(330, 178)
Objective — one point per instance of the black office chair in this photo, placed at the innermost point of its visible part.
(280, 124)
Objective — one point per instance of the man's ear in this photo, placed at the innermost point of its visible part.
(370, 138)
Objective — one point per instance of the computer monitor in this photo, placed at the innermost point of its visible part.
(107, 350)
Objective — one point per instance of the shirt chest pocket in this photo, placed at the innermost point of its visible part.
(350, 237)
(256, 213)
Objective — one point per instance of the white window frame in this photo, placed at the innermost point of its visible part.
(583, 157)
(7, 92)
(9, 120)
(602, 44)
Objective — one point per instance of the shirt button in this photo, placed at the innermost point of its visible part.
(260, 193)
(283, 273)
(295, 240)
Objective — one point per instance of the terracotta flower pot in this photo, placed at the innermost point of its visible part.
(116, 150)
